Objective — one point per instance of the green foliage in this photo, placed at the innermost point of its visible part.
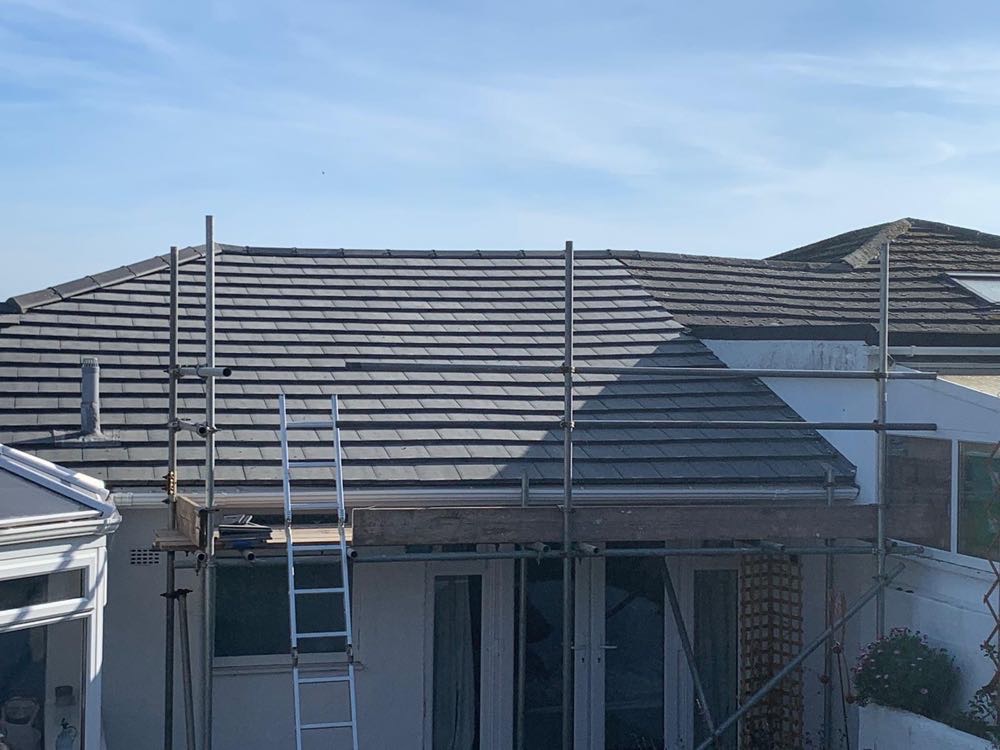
(982, 717)
(902, 671)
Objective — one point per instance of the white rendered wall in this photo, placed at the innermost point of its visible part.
(941, 593)
(253, 704)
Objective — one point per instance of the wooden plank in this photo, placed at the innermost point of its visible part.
(171, 540)
(189, 520)
(314, 534)
(399, 526)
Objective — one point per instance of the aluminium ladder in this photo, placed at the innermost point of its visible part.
(340, 587)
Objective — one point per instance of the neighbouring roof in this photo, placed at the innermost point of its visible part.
(34, 491)
(289, 319)
(830, 289)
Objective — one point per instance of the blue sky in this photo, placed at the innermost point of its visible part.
(720, 126)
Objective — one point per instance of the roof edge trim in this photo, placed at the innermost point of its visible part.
(80, 488)
(22, 303)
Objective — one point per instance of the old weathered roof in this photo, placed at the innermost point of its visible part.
(829, 289)
(289, 319)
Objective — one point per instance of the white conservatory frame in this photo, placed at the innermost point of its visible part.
(56, 543)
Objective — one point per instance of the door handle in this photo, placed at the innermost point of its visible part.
(608, 647)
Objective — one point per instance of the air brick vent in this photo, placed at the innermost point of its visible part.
(144, 556)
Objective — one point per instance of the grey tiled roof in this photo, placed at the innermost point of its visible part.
(830, 289)
(288, 320)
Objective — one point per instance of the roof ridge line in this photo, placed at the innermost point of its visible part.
(22, 303)
(869, 250)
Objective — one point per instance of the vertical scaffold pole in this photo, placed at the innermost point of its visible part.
(883, 369)
(522, 631)
(827, 621)
(567, 539)
(171, 500)
(208, 582)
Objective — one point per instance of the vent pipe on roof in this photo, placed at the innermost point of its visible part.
(90, 398)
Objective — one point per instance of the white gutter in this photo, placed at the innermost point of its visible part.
(271, 499)
(944, 351)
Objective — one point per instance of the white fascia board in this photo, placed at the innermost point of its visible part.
(80, 488)
(44, 532)
(539, 496)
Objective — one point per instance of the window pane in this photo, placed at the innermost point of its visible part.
(977, 499)
(543, 655)
(457, 661)
(41, 679)
(918, 473)
(41, 589)
(251, 617)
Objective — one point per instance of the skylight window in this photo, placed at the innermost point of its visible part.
(986, 286)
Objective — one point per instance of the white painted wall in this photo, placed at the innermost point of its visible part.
(891, 729)
(941, 593)
(254, 703)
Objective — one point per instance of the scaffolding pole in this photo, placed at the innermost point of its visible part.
(827, 620)
(567, 509)
(371, 365)
(208, 581)
(617, 424)
(524, 554)
(883, 369)
(522, 630)
(171, 501)
(682, 634)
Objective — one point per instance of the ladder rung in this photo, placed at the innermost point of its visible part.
(307, 424)
(310, 464)
(296, 548)
(323, 634)
(314, 505)
(335, 590)
(325, 678)
(330, 725)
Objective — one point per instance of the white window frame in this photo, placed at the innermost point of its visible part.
(496, 679)
(678, 700)
(967, 279)
(92, 560)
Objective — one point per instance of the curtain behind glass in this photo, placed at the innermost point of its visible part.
(454, 701)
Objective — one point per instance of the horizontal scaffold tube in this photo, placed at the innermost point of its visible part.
(616, 424)
(356, 556)
(632, 552)
(686, 372)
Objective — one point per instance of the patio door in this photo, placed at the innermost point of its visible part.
(469, 653)
(619, 654)
(633, 688)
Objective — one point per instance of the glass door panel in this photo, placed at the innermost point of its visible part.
(634, 600)
(543, 655)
